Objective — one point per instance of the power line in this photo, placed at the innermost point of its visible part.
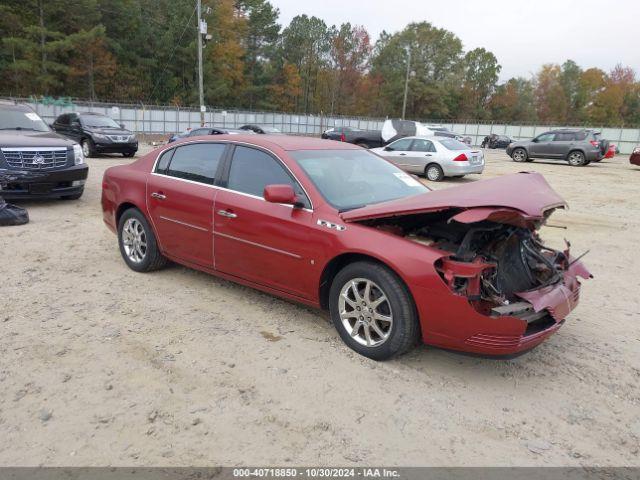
(175, 47)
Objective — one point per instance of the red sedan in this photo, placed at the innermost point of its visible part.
(334, 226)
(634, 159)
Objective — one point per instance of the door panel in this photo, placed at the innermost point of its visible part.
(543, 147)
(266, 243)
(182, 214)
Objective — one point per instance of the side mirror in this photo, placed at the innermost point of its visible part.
(122, 126)
(281, 194)
(534, 140)
(388, 149)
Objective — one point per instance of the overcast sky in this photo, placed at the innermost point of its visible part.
(522, 34)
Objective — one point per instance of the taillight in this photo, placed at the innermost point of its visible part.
(343, 138)
(595, 143)
(461, 158)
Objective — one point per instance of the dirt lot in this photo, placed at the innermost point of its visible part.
(103, 366)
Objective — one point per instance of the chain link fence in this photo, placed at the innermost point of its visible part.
(168, 119)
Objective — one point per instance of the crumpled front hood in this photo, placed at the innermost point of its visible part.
(528, 194)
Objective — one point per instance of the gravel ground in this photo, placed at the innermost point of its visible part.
(103, 366)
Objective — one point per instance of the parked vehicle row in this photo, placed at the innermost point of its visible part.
(357, 136)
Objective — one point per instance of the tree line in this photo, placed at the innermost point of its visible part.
(144, 51)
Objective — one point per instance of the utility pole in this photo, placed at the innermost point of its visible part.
(200, 82)
(406, 83)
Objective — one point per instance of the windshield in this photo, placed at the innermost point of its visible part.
(98, 121)
(452, 144)
(16, 119)
(349, 179)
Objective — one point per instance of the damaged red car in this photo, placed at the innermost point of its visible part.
(334, 226)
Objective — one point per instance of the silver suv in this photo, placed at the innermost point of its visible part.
(579, 147)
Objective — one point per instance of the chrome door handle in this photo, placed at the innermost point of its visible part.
(428, 155)
(403, 154)
(225, 213)
(159, 196)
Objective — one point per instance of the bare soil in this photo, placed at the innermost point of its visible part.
(100, 365)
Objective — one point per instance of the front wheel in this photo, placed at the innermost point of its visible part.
(577, 159)
(373, 311)
(88, 148)
(138, 245)
(434, 172)
(519, 155)
(128, 154)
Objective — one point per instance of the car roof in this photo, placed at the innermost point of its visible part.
(285, 142)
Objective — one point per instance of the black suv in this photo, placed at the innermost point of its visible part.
(41, 162)
(96, 133)
(579, 147)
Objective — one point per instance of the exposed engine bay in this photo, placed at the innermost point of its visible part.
(489, 262)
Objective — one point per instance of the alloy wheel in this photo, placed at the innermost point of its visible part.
(576, 159)
(365, 312)
(519, 155)
(134, 240)
(85, 149)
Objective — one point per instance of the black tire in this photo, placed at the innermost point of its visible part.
(88, 148)
(577, 159)
(128, 154)
(458, 176)
(363, 145)
(75, 196)
(434, 172)
(152, 259)
(404, 331)
(519, 155)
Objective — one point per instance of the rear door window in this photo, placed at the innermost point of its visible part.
(252, 170)
(197, 162)
(564, 137)
(422, 145)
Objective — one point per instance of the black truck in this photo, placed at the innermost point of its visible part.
(35, 161)
(362, 138)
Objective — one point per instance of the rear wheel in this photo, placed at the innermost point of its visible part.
(138, 244)
(519, 155)
(577, 159)
(434, 172)
(373, 311)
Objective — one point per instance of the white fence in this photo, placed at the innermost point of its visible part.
(164, 120)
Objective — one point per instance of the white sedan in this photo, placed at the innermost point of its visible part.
(435, 158)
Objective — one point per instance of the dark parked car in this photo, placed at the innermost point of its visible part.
(96, 133)
(261, 129)
(198, 131)
(496, 141)
(43, 163)
(362, 138)
(579, 147)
